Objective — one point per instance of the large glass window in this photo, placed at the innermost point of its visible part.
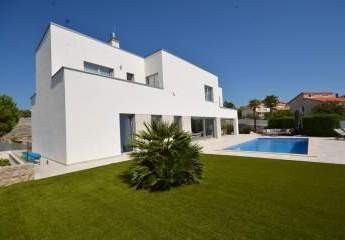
(178, 121)
(227, 126)
(156, 118)
(209, 127)
(154, 81)
(197, 127)
(203, 127)
(208, 93)
(98, 69)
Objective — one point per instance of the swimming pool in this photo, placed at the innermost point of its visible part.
(275, 145)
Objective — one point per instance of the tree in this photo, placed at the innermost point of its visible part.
(25, 113)
(9, 114)
(164, 157)
(278, 114)
(229, 104)
(254, 104)
(270, 102)
(239, 112)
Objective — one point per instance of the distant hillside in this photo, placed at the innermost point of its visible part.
(20, 133)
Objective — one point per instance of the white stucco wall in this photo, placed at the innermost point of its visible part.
(221, 99)
(71, 49)
(92, 112)
(48, 114)
(84, 108)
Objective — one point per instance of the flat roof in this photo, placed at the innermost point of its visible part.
(97, 40)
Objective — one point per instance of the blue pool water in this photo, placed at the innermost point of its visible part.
(275, 145)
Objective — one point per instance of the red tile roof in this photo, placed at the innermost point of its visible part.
(331, 99)
(317, 93)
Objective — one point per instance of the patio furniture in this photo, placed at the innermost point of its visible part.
(340, 132)
(32, 156)
(196, 135)
(276, 132)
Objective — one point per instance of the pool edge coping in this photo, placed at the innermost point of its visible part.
(311, 148)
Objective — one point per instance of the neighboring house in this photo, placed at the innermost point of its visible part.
(306, 101)
(91, 96)
(281, 106)
(247, 112)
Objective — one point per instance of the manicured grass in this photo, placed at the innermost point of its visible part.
(240, 198)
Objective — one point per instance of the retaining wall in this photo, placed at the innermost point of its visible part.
(15, 173)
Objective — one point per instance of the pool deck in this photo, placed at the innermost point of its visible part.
(326, 150)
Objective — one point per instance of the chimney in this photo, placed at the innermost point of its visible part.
(114, 42)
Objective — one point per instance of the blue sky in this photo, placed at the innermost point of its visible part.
(256, 47)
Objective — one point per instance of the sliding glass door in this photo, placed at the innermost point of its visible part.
(209, 127)
(126, 131)
(203, 127)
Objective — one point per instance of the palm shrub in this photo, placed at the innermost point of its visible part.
(164, 157)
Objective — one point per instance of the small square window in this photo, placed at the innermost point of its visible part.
(130, 76)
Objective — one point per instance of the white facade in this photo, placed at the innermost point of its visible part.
(76, 114)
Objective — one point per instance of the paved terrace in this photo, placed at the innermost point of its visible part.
(327, 150)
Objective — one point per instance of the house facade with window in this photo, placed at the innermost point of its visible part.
(305, 102)
(92, 96)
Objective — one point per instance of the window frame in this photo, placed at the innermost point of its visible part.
(206, 93)
(156, 118)
(130, 74)
(99, 71)
(157, 83)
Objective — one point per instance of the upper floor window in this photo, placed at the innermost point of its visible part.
(130, 77)
(208, 93)
(154, 81)
(98, 69)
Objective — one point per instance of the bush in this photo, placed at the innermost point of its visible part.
(320, 125)
(25, 113)
(245, 130)
(330, 108)
(164, 157)
(279, 114)
(9, 114)
(4, 162)
(281, 123)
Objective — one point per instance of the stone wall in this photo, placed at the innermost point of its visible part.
(16, 173)
(21, 133)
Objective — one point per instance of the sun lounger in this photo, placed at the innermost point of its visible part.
(340, 132)
(276, 132)
(31, 156)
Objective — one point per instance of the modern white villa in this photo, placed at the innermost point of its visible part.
(91, 96)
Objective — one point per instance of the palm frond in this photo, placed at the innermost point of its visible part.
(164, 157)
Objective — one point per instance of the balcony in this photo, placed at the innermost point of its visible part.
(60, 75)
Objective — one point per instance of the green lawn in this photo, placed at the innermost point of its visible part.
(240, 198)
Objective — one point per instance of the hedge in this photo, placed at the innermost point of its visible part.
(320, 125)
(281, 122)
